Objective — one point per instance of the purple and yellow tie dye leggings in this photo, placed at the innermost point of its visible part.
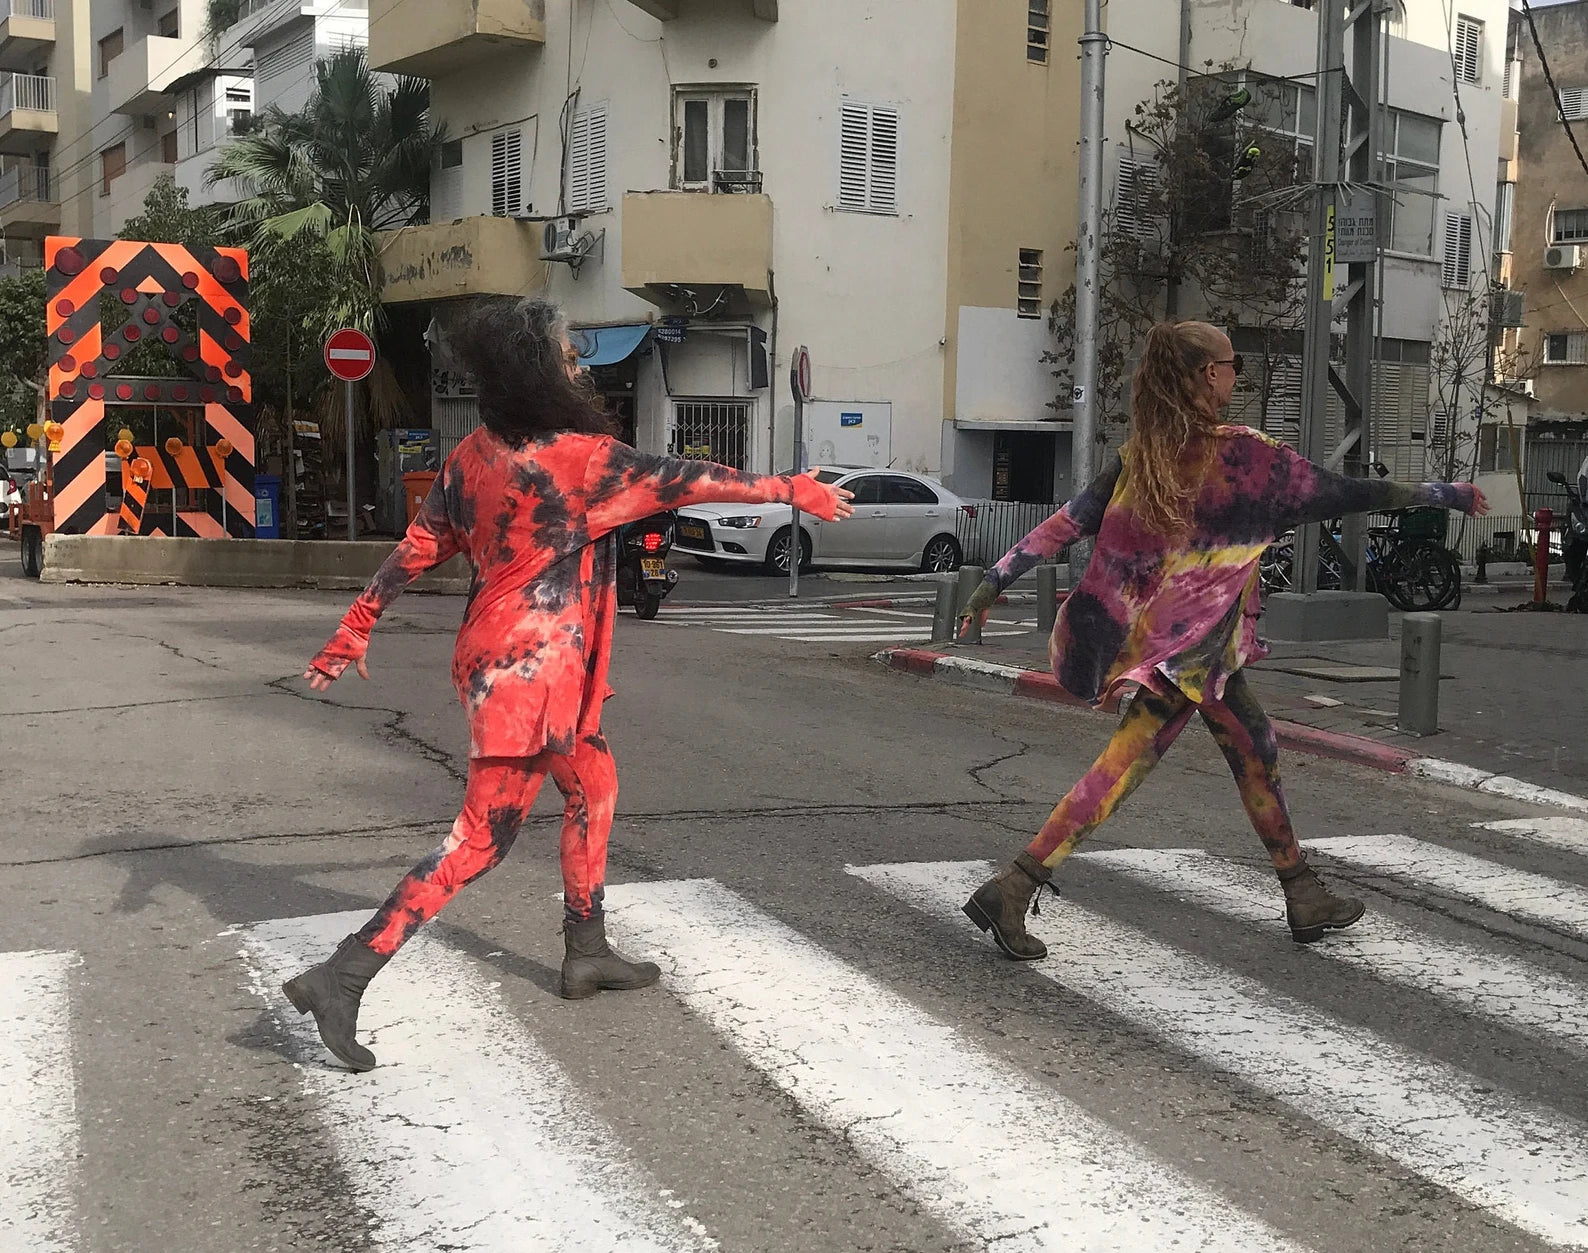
(1149, 726)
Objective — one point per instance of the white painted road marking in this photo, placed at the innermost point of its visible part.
(814, 624)
(945, 1121)
(1514, 993)
(1533, 897)
(38, 1145)
(1570, 834)
(467, 1135)
(1523, 1162)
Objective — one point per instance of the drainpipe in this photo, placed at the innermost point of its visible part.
(1171, 295)
(771, 378)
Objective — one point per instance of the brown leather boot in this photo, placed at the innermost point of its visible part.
(331, 992)
(1000, 905)
(1311, 908)
(589, 964)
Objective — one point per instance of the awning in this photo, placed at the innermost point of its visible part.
(607, 345)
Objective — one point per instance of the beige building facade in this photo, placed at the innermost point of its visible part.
(706, 184)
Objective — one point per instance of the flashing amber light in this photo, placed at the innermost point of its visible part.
(8, 439)
(653, 541)
(123, 448)
(142, 470)
(224, 447)
(34, 430)
(125, 434)
(173, 446)
(55, 433)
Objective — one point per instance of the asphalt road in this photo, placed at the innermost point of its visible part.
(836, 1059)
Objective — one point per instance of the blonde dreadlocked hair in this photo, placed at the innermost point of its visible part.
(1172, 416)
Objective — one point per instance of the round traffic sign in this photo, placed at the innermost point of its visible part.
(350, 355)
(800, 374)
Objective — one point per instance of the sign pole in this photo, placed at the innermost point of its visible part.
(800, 385)
(352, 521)
(350, 356)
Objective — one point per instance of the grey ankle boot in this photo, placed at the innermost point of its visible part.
(1311, 909)
(589, 964)
(1000, 905)
(331, 992)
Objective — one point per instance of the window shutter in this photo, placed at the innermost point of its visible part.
(1457, 267)
(284, 58)
(587, 160)
(868, 158)
(884, 197)
(1574, 103)
(854, 146)
(1469, 49)
(1132, 193)
(1504, 202)
(507, 194)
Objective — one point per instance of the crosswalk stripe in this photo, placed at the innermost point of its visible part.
(1570, 834)
(1519, 893)
(1422, 1113)
(1517, 994)
(467, 1126)
(944, 1120)
(38, 1150)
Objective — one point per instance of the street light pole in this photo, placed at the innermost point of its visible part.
(1088, 269)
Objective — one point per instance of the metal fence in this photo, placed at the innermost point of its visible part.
(990, 528)
(44, 10)
(35, 92)
(1463, 536)
(25, 183)
(713, 430)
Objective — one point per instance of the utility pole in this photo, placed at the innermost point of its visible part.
(1088, 268)
(1347, 165)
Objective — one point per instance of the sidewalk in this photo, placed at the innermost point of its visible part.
(1513, 700)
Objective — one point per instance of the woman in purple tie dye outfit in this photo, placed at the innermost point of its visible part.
(1168, 610)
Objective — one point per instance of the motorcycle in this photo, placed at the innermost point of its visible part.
(644, 578)
(1574, 536)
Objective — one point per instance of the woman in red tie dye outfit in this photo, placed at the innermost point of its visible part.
(1167, 610)
(532, 499)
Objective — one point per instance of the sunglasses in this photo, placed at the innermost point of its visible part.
(1236, 363)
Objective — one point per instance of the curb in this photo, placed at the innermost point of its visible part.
(1298, 737)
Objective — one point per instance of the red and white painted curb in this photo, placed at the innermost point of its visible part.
(1339, 745)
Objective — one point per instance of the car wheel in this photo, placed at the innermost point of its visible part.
(32, 552)
(647, 607)
(941, 555)
(777, 551)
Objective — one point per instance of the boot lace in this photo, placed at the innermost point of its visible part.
(1036, 901)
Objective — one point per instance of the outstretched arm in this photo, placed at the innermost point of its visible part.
(1081, 517)
(431, 539)
(623, 485)
(1303, 491)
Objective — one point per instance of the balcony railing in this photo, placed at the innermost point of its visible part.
(34, 92)
(44, 10)
(24, 182)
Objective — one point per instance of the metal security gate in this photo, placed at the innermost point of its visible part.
(713, 430)
(453, 418)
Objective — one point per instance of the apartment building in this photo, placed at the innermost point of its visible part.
(1546, 233)
(1445, 78)
(705, 184)
(97, 101)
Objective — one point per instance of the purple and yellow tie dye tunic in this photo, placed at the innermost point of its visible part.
(1180, 611)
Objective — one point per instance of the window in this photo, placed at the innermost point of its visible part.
(1412, 168)
(170, 24)
(1469, 49)
(1457, 259)
(1037, 30)
(1028, 296)
(713, 430)
(168, 148)
(507, 177)
(587, 160)
(451, 154)
(1574, 103)
(897, 490)
(112, 165)
(446, 182)
(1133, 192)
(1504, 200)
(1566, 348)
(284, 58)
(109, 49)
(868, 158)
(714, 140)
(867, 489)
(1570, 226)
(1497, 448)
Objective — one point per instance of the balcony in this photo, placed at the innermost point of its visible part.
(141, 76)
(469, 257)
(28, 208)
(27, 111)
(674, 239)
(27, 32)
(668, 10)
(440, 37)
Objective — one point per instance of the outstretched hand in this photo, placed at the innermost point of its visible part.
(320, 681)
(976, 610)
(1480, 504)
(829, 503)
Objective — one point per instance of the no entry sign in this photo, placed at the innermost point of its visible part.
(350, 355)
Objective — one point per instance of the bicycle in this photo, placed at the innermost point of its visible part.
(1407, 562)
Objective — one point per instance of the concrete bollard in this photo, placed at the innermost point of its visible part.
(1419, 700)
(970, 578)
(943, 620)
(1047, 597)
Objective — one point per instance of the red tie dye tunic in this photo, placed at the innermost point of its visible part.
(535, 522)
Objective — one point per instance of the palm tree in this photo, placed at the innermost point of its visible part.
(354, 162)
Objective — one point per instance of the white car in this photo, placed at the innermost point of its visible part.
(901, 520)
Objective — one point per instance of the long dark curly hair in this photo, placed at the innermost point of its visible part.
(513, 350)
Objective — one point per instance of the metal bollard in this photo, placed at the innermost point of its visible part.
(943, 620)
(1047, 597)
(1419, 702)
(1542, 521)
(970, 578)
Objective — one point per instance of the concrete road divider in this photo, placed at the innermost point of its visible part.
(325, 564)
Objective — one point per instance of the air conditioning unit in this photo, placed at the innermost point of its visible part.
(1563, 257)
(557, 241)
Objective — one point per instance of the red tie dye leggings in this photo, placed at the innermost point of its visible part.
(1149, 726)
(496, 800)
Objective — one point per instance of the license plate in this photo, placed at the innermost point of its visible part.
(691, 532)
(653, 567)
